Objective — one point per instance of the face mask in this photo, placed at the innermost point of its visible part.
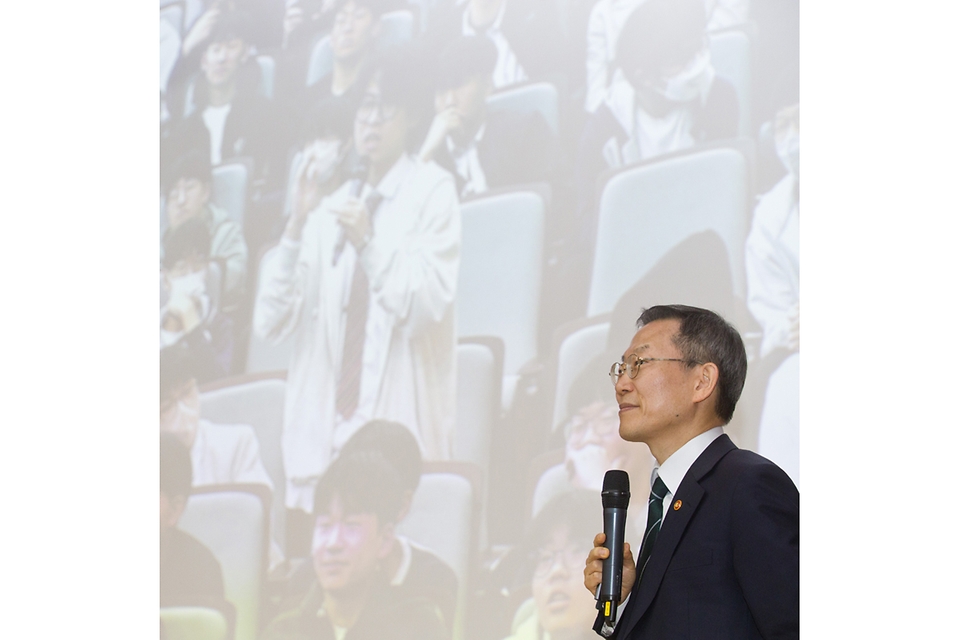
(590, 464)
(788, 148)
(184, 423)
(192, 285)
(693, 82)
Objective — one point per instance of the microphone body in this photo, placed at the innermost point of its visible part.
(358, 177)
(616, 497)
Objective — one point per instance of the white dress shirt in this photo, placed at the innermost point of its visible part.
(467, 160)
(215, 119)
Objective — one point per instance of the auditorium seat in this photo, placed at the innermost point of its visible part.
(321, 61)
(263, 355)
(500, 275)
(527, 98)
(267, 72)
(731, 53)
(479, 376)
(577, 343)
(395, 27)
(192, 623)
(231, 522)
(444, 517)
(649, 208)
(256, 400)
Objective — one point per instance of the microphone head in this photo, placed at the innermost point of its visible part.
(616, 489)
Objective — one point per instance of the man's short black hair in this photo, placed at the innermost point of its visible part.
(191, 165)
(592, 385)
(365, 482)
(178, 366)
(464, 58)
(376, 7)
(660, 34)
(576, 510)
(176, 472)
(229, 26)
(189, 241)
(402, 72)
(706, 337)
(395, 443)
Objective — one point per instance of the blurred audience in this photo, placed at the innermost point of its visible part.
(483, 150)
(190, 575)
(384, 252)
(188, 197)
(356, 506)
(526, 34)
(560, 609)
(773, 284)
(221, 453)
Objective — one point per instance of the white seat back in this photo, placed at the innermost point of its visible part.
(730, 52)
(478, 389)
(229, 189)
(648, 209)
(538, 97)
(576, 350)
(231, 525)
(193, 623)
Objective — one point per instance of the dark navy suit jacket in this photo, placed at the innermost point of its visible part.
(726, 563)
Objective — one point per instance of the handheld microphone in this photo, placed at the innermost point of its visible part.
(616, 497)
(357, 177)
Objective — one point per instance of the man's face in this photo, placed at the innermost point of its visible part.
(353, 30)
(562, 602)
(594, 445)
(171, 508)
(660, 397)
(380, 130)
(186, 199)
(346, 546)
(468, 99)
(221, 60)
(180, 413)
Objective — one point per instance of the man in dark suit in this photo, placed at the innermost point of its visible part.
(721, 551)
(483, 150)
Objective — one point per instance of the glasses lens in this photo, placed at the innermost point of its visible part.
(633, 366)
(615, 371)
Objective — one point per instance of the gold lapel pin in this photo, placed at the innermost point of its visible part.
(677, 505)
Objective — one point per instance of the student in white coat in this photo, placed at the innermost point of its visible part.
(364, 281)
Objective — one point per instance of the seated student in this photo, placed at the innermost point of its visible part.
(221, 453)
(230, 117)
(356, 505)
(190, 575)
(561, 608)
(525, 33)
(483, 150)
(188, 184)
(366, 283)
(772, 263)
(189, 307)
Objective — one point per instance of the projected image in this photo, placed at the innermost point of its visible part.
(402, 242)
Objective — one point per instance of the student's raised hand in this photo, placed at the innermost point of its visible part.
(593, 569)
(200, 30)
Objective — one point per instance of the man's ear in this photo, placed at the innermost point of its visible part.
(405, 503)
(387, 538)
(705, 382)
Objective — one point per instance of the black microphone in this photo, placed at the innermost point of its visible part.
(357, 177)
(616, 497)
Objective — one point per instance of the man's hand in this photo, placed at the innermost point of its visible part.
(200, 31)
(443, 123)
(354, 218)
(312, 182)
(593, 571)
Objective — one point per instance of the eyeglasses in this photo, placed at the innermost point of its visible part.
(602, 423)
(544, 560)
(631, 366)
(370, 109)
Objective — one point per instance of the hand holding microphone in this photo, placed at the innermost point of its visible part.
(611, 570)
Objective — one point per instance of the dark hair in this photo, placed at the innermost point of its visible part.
(190, 240)
(178, 366)
(706, 337)
(464, 58)
(176, 472)
(329, 117)
(395, 443)
(230, 25)
(401, 74)
(660, 34)
(365, 482)
(592, 384)
(190, 165)
(578, 511)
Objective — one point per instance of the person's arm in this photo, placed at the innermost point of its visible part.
(280, 296)
(766, 549)
(228, 244)
(414, 277)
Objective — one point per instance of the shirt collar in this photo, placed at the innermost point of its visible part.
(390, 183)
(676, 466)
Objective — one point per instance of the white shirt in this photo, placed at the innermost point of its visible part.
(467, 161)
(603, 29)
(508, 69)
(215, 119)
(227, 454)
(169, 52)
(409, 376)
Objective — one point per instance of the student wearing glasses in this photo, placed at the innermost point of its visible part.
(720, 555)
(364, 284)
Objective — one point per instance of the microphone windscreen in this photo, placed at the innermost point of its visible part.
(616, 489)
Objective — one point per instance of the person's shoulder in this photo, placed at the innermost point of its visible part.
(428, 177)
(750, 469)
(227, 432)
(192, 551)
(774, 207)
(426, 563)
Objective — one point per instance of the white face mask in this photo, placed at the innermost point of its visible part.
(590, 464)
(693, 82)
(788, 148)
(192, 285)
(184, 423)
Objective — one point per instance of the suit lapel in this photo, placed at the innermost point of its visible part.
(690, 493)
